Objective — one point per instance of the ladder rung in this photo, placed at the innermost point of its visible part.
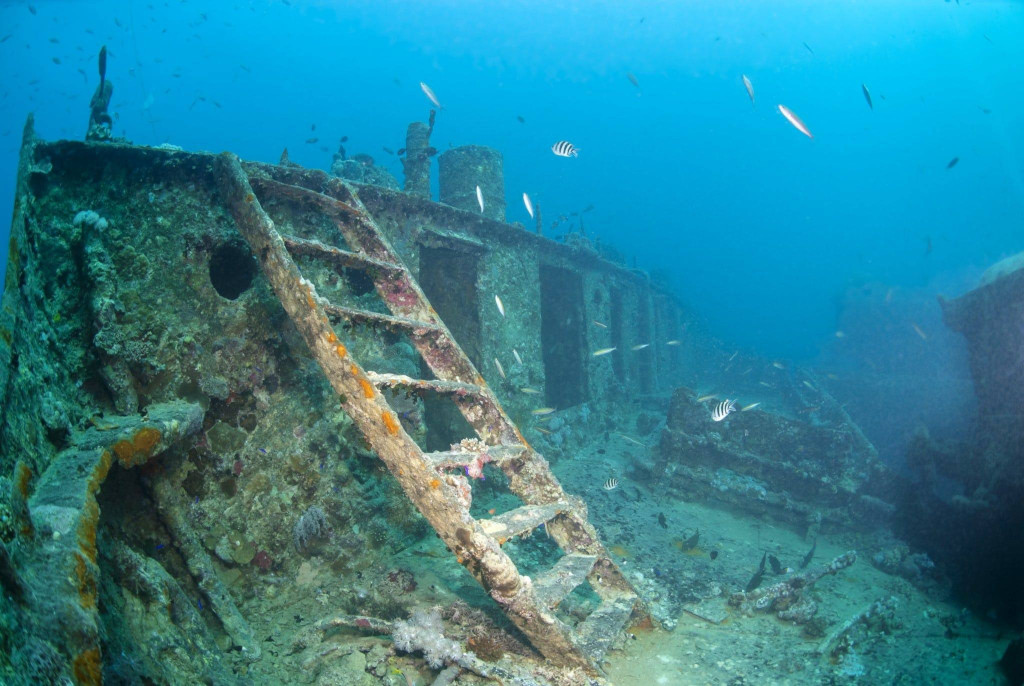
(597, 632)
(454, 459)
(521, 520)
(398, 324)
(435, 385)
(336, 256)
(559, 581)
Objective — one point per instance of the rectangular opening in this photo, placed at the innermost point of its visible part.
(618, 357)
(449, 280)
(562, 336)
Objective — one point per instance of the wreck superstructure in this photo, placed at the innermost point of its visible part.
(138, 331)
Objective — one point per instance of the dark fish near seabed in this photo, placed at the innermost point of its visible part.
(867, 95)
(776, 565)
(755, 580)
(952, 163)
(810, 555)
(691, 542)
(662, 521)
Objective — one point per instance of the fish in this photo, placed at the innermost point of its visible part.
(776, 565)
(480, 198)
(604, 351)
(765, 384)
(810, 555)
(778, 365)
(755, 581)
(795, 121)
(597, 323)
(529, 391)
(541, 411)
(808, 48)
(674, 341)
(56, 60)
(430, 94)
(867, 95)
(103, 66)
(529, 205)
(710, 396)
(632, 79)
(840, 334)
(662, 521)
(611, 484)
(311, 141)
(952, 163)
(640, 346)
(691, 542)
(520, 119)
(749, 407)
(630, 439)
(565, 149)
(501, 308)
(750, 88)
(543, 431)
(733, 356)
(501, 370)
(808, 384)
(388, 150)
(515, 354)
(723, 409)
(922, 334)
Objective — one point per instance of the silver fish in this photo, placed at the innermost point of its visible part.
(641, 346)
(430, 94)
(795, 121)
(674, 341)
(529, 205)
(597, 323)
(603, 351)
(749, 407)
(542, 411)
(501, 308)
(480, 198)
(501, 370)
(723, 409)
(749, 86)
(565, 149)
(515, 354)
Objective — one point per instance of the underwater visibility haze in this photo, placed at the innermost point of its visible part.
(691, 331)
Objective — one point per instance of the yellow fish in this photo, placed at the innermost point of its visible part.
(674, 341)
(710, 396)
(543, 411)
(749, 407)
(604, 351)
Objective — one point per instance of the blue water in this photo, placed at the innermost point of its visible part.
(763, 231)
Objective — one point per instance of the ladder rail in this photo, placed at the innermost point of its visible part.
(434, 495)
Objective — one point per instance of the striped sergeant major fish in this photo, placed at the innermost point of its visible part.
(723, 409)
(565, 149)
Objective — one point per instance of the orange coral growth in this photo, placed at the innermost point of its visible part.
(87, 528)
(309, 298)
(86, 583)
(367, 387)
(332, 337)
(435, 483)
(22, 478)
(340, 349)
(390, 422)
(86, 667)
(139, 448)
(249, 197)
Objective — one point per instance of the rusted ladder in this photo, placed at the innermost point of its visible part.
(441, 495)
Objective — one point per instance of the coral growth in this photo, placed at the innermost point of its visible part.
(311, 526)
(424, 631)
